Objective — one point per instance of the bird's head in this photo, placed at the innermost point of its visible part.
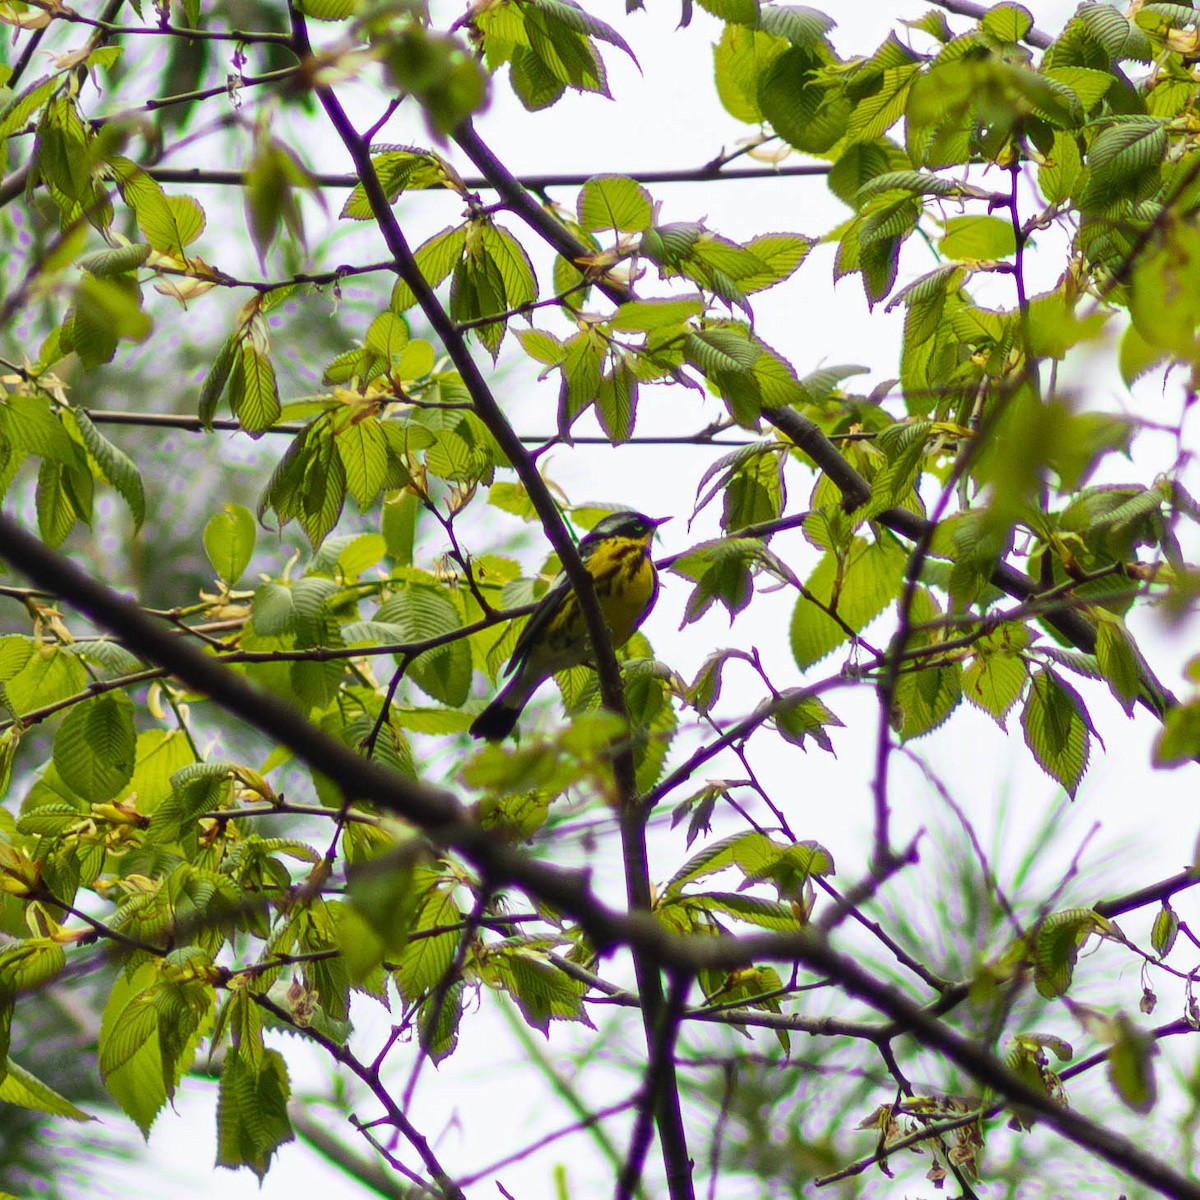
(624, 524)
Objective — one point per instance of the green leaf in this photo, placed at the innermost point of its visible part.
(1164, 930)
(614, 202)
(17, 111)
(130, 1058)
(540, 345)
(925, 698)
(399, 169)
(752, 853)
(994, 680)
(213, 387)
(1179, 740)
(439, 1020)
(95, 747)
(1061, 168)
(858, 586)
(722, 571)
(536, 85)
(107, 310)
(28, 965)
(436, 258)
(1007, 22)
(229, 539)
(542, 992)
(424, 613)
(253, 392)
(808, 111)
(50, 675)
(273, 610)
(513, 263)
(879, 110)
(322, 10)
(1056, 948)
(425, 959)
(1165, 294)
(388, 336)
(362, 447)
(168, 223)
(803, 27)
(114, 464)
(29, 422)
(652, 315)
(1123, 159)
(742, 12)
(252, 1117)
(1130, 1065)
(1117, 659)
(1056, 729)
(20, 1087)
(978, 239)
(739, 59)
(616, 401)
(1054, 329)
(808, 717)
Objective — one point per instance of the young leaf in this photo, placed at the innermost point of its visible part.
(252, 1116)
(229, 542)
(95, 747)
(1056, 729)
(614, 202)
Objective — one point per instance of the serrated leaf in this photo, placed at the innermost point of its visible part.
(425, 960)
(1122, 157)
(614, 202)
(978, 238)
(129, 1055)
(542, 992)
(424, 613)
(20, 108)
(362, 447)
(436, 257)
(1056, 730)
(753, 853)
(49, 675)
(399, 169)
(253, 392)
(114, 464)
(1117, 659)
(252, 1117)
(95, 747)
(994, 682)
(810, 112)
(925, 698)
(1056, 948)
(22, 1088)
(324, 10)
(866, 582)
(213, 387)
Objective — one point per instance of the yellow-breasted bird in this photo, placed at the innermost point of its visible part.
(616, 554)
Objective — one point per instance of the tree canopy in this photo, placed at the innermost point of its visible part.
(238, 667)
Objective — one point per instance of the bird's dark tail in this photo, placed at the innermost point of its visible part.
(496, 721)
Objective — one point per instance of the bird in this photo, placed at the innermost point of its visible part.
(616, 553)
